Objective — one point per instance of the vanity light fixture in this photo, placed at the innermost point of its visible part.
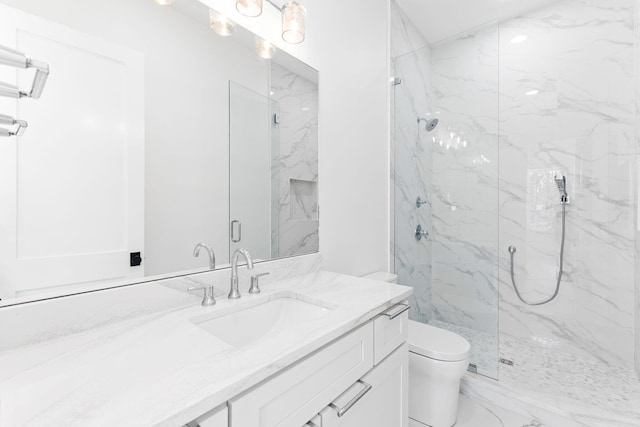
(294, 17)
(294, 24)
(250, 8)
(220, 24)
(165, 2)
(264, 48)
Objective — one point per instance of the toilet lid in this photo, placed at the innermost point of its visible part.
(436, 343)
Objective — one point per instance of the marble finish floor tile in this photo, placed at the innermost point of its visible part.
(590, 391)
(478, 413)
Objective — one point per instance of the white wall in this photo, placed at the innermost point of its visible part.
(350, 45)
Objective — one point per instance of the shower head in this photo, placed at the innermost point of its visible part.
(562, 188)
(429, 124)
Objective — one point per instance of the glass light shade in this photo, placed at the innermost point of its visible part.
(294, 22)
(165, 2)
(265, 49)
(220, 24)
(251, 8)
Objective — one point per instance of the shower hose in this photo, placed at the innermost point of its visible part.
(512, 251)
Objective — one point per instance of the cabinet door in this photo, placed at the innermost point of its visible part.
(385, 404)
(293, 397)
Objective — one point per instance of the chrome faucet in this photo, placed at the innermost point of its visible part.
(234, 293)
(212, 256)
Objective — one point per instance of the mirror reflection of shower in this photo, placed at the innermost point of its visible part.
(430, 124)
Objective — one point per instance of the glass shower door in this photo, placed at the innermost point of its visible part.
(446, 182)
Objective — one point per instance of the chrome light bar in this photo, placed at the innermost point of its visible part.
(21, 125)
(14, 58)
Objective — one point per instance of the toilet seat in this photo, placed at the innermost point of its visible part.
(436, 343)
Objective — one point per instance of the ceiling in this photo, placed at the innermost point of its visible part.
(440, 19)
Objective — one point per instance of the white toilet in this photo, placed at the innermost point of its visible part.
(437, 361)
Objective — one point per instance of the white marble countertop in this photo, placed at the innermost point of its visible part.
(161, 369)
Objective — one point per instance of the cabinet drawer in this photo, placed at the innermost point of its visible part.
(216, 418)
(390, 331)
(296, 395)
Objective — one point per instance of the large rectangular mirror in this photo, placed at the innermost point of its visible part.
(152, 134)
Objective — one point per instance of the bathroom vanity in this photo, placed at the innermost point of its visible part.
(318, 349)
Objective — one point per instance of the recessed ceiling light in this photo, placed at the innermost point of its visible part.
(519, 39)
(533, 92)
(165, 2)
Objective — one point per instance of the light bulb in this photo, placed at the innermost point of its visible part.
(250, 8)
(264, 48)
(294, 24)
(220, 24)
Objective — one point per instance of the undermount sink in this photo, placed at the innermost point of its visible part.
(249, 324)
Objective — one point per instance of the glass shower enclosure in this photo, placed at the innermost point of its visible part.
(445, 186)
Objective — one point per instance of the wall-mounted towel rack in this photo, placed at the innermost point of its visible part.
(14, 58)
(20, 126)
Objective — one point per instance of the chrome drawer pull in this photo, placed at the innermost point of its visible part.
(353, 401)
(396, 311)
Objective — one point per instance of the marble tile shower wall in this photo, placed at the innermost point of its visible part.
(294, 167)
(636, 192)
(411, 168)
(566, 106)
(464, 76)
(451, 169)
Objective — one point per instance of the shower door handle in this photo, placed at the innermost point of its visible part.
(233, 234)
(420, 233)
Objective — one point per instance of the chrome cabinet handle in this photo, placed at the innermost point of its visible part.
(233, 239)
(396, 311)
(352, 402)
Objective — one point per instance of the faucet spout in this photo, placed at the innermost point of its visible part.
(212, 256)
(234, 293)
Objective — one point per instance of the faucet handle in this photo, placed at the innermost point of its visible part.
(255, 285)
(209, 298)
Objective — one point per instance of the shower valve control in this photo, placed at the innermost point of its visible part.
(420, 233)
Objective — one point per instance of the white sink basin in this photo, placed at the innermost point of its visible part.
(247, 325)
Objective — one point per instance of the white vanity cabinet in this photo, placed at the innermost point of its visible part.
(219, 417)
(379, 399)
(295, 396)
(360, 379)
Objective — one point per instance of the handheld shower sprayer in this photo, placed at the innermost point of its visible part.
(429, 124)
(561, 183)
(562, 188)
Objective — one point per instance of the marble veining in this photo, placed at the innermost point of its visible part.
(537, 109)
(73, 314)
(294, 164)
(161, 369)
(454, 169)
(580, 125)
